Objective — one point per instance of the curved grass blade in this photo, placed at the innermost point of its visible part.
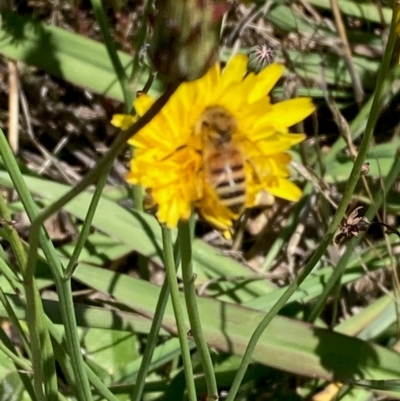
(286, 344)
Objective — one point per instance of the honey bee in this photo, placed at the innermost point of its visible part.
(223, 159)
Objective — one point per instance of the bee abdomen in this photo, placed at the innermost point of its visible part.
(225, 172)
(237, 168)
(232, 190)
(234, 201)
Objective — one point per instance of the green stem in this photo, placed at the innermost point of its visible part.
(37, 235)
(178, 311)
(123, 81)
(151, 342)
(141, 37)
(86, 226)
(13, 237)
(23, 368)
(10, 275)
(152, 338)
(35, 314)
(41, 350)
(319, 252)
(112, 52)
(16, 323)
(122, 78)
(188, 277)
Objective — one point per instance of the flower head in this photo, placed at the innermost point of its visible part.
(217, 145)
(185, 38)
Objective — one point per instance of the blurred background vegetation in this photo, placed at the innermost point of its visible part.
(58, 91)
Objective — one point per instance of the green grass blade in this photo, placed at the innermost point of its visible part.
(64, 290)
(44, 371)
(286, 344)
(126, 225)
(112, 53)
(87, 316)
(66, 55)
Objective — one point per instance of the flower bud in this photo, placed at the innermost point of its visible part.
(185, 38)
(259, 57)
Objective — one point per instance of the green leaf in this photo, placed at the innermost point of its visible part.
(286, 344)
(111, 349)
(66, 55)
(126, 225)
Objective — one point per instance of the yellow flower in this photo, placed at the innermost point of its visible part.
(170, 150)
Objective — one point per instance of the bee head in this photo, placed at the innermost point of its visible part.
(218, 124)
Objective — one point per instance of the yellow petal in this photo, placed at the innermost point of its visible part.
(123, 121)
(212, 210)
(187, 96)
(206, 86)
(152, 140)
(328, 393)
(234, 70)
(234, 104)
(171, 212)
(132, 178)
(257, 195)
(276, 143)
(142, 103)
(288, 112)
(265, 81)
(274, 165)
(285, 189)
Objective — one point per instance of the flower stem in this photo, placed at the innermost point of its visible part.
(101, 18)
(152, 337)
(185, 242)
(87, 225)
(151, 342)
(178, 311)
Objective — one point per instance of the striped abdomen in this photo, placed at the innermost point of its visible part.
(225, 171)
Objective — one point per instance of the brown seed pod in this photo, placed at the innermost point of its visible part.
(185, 38)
